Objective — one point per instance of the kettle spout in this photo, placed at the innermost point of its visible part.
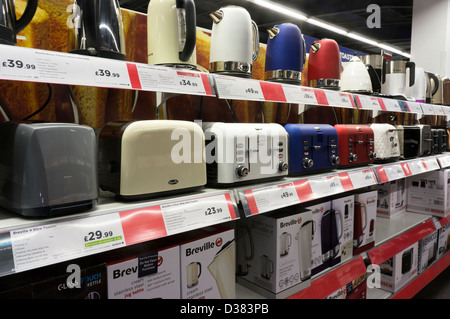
(273, 32)
(217, 16)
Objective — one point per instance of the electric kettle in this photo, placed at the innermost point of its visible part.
(437, 97)
(432, 86)
(359, 224)
(266, 267)
(193, 272)
(98, 29)
(324, 64)
(245, 249)
(374, 65)
(9, 25)
(232, 35)
(222, 269)
(395, 81)
(331, 231)
(418, 91)
(285, 243)
(285, 54)
(304, 238)
(355, 78)
(171, 33)
(446, 91)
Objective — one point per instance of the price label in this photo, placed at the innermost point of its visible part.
(362, 178)
(366, 102)
(273, 197)
(416, 167)
(427, 109)
(446, 110)
(430, 164)
(394, 172)
(340, 99)
(20, 66)
(414, 107)
(438, 110)
(101, 233)
(444, 161)
(392, 105)
(236, 88)
(110, 72)
(326, 186)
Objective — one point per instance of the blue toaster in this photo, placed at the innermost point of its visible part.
(312, 148)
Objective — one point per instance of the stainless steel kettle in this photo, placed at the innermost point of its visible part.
(9, 25)
(98, 29)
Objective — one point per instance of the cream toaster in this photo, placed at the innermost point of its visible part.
(387, 147)
(146, 159)
(240, 153)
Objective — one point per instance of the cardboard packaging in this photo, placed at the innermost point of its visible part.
(344, 211)
(364, 221)
(428, 248)
(208, 264)
(155, 274)
(400, 269)
(443, 240)
(280, 264)
(428, 193)
(391, 198)
(356, 289)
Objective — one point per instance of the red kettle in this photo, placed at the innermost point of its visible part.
(359, 224)
(324, 64)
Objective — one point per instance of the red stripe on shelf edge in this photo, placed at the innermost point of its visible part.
(353, 101)
(358, 101)
(273, 91)
(409, 109)
(321, 97)
(251, 202)
(444, 220)
(381, 253)
(142, 224)
(406, 169)
(382, 175)
(230, 206)
(381, 102)
(304, 190)
(329, 283)
(134, 76)
(424, 164)
(206, 84)
(346, 182)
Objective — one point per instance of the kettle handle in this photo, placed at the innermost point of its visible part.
(436, 83)
(27, 16)
(412, 72)
(191, 28)
(255, 41)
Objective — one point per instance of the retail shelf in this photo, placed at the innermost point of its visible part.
(36, 243)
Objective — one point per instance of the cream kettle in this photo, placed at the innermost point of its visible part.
(171, 33)
(355, 77)
(234, 42)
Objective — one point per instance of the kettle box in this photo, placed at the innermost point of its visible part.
(155, 274)
(443, 240)
(344, 210)
(391, 198)
(208, 264)
(356, 289)
(428, 249)
(428, 193)
(281, 263)
(364, 221)
(400, 269)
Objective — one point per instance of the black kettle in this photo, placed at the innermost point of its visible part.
(9, 25)
(97, 29)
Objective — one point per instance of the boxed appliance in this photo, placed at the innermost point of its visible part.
(428, 193)
(281, 263)
(387, 146)
(144, 159)
(391, 198)
(240, 153)
(443, 240)
(208, 264)
(364, 221)
(355, 144)
(312, 148)
(343, 210)
(400, 269)
(155, 274)
(428, 249)
(321, 250)
(356, 289)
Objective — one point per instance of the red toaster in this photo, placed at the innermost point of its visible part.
(355, 144)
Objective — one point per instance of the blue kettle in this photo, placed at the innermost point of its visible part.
(285, 54)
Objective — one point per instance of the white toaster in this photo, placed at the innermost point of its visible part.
(145, 159)
(387, 147)
(239, 153)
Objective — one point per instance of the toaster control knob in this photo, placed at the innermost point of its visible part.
(371, 155)
(335, 160)
(307, 163)
(282, 166)
(242, 171)
(352, 157)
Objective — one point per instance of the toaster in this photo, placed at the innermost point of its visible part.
(242, 153)
(150, 158)
(47, 169)
(312, 148)
(387, 147)
(439, 137)
(409, 139)
(426, 140)
(355, 144)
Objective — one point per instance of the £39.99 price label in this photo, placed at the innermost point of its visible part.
(110, 72)
(22, 66)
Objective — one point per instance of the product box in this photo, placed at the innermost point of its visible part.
(155, 274)
(428, 193)
(208, 264)
(364, 221)
(342, 230)
(400, 269)
(280, 264)
(443, 240)
(391, 198)
(321, 250)
(356, 289)
(428, 248)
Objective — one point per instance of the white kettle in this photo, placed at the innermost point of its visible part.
(355, 77)
(234, 42)
(171, 33)
(418, 91)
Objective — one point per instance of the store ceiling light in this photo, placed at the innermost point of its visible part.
(302, 17)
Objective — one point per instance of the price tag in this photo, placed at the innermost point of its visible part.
(362, 178)
(273, 197)
(431, 164)
(236, 88)
(101, 233)
(427, 109)
(438, 110)
(394, 172)
(444, 160)
(392, 105)
(416, 167)
(326, 186)
(20, 66)
(366, 102)
(446, 110)
(414, 107)
(195, 213)
(110, 72)
(340, 99)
